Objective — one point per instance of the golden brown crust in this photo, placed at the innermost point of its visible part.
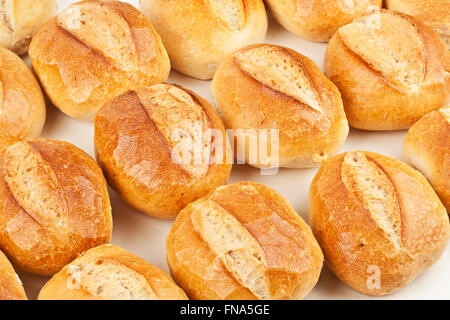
(386, 86)
(427, 148)
(434, 13)
(73, 283)
(95, 50)
(380, 231)
(317, 20)
(22, 105)
(272, 87)
(255, 246)
(21, 19)
(206, 30)
(54, 204)
(10, 285)
(134, 147)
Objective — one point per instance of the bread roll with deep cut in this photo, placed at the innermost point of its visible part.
(427, 148)
(243, 241)
(93, 51)
(10, 285)
(378, 221)
(199, 34)
(388, 80)
(54, 204)
(318, 20)
(109, 272)
(434, 13)
(22, 105)
(274, 93)
(21, 19)
(162, 147)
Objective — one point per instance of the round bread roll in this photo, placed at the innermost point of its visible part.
(434, 13)
(268, 87)
(93, 51)
(199, 34)
(22, 105)
(427, 148)
(243, 241)
(318, 20)
(388, 80)
(21, 19)
(161, 147)
(378, 221)
(54, 204)
(109, 272)
(10, 285)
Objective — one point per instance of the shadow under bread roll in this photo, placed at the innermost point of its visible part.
(378, 221)
(427, 148)
(109, 272)
(199, 34)
(243, 241)
(54, 204)
(434, 13)
(318, 20)
(272, 92)
(93, 51)
(162, 147)
(388, 80)
(22, 105)
(10, 285)
(21, 19)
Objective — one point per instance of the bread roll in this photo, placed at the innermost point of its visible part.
(378, 221)
(161, 147)
(388, 80)
(199, 34)
(265, 87)
(22, 105)
(427, 148)
(243, 241)
(10, 285)
(434, 13)
(317, 20)
(21, 19)
(54, 204)
(109, 272)
(93, 51)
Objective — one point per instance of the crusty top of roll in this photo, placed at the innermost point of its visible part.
(405, 67)
(55, 204)
(110, 47)
(434, 13)
(372, 210)
(22, 106)
(243, 241)
(108, 272)
(10, 285)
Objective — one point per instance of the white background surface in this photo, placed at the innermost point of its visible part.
(145, 236)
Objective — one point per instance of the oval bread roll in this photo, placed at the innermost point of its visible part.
(243, 241)
(268, 87)
(199, 34)
(21, 19)
(427, 148)
(54, 204)
(378, 221)
(93, 51)
(109, 272)
(10, 285)
(434, 13)
(161, 147)
(318, 20)
(388, 80)
(22, 105)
